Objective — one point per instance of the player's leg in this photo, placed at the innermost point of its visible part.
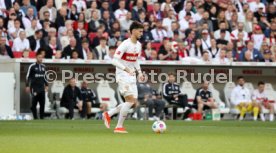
(255, 108)
(87, 109)
(212, 105)
(199, 105)
(159, 106)
(271, 112)
(130, 101)
(242, 108)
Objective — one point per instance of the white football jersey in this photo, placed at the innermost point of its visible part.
(127, 54)
(259, 97)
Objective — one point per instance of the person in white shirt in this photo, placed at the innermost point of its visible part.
(184, 22)
(21, 43)
(254, 6)
(205, 57)
(81, 5)
(241, 98)
(51, 9)
(199, 14)
(31, 30)
(206, 40)
(260, 98)
(222, 57)
(28, 19)
(110, 54)
(158, 33)
(234, 33)
(14, 31)
(125, 23)
(187, 8)
(167, 3)
(121, 13)
(167, 22)
(222, 26)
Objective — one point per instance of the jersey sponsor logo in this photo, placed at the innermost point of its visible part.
(130, 57)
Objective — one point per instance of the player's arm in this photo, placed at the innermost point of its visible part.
(118, 55)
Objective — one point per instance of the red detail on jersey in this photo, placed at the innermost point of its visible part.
(130, 57)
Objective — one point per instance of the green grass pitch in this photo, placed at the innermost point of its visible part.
(89, 136)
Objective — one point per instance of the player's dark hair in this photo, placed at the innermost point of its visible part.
(135, 25)
(240, 77)
(260, 83)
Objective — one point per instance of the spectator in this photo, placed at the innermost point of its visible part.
(51, 48)
(256, 6)
(157, 13)
(125, 23)
(88, 12)
(102, 50)
(260, 99)
(73, 12)
(4, 53)
(90, 101)
(166, 51)
(58, 54)
(158, 33)
(167, 3)
(85, 48)
(80, 4)
(52, 33)
(49, 7)
(167, 22)
(107, 21)
(183, 50)
(26, 5)
(249, 20)
(173, 95)
(205, 56)
(30, 31)
(257, 37)
(14, 32)
(222, 58)
(94, 24)
(75, 55)
(28, 19)
(111, 53)
(138, 6)
(205, 19)
(71, 98)
(21, 43)
(186, 8)
(214, 50)
(65, 39)
(7, 50)
(113, 40)
(70, 48)
(62, 17)
(240, 29)
(252, 52)
(197, 50)
(204, 98)
(149, 97)
(142, 16)
(147, 35)
(222, 27)
(241, 99)
(36, 41)
(121, 12)
(267, 56)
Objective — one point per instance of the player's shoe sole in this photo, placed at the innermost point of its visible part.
(106, 119)
(120, 130)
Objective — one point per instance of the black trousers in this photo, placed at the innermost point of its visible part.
(38, 98)
(156, 104)
(70, 105)
(181, 102)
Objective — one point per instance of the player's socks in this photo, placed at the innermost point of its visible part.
(271, 117)
(262, 116)
(255, 113)
(243, 111)
(115, 110)
(123, 114)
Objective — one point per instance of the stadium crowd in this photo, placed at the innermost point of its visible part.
(205, 30)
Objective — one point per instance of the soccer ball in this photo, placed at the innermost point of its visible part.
(159, 127)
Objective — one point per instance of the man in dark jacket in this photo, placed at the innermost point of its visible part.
(36, 40)
(36, 84)
(71, 98)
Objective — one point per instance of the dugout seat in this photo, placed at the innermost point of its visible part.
(216, 96)
(249, 86)
(271, 96)
(106, 94)
(228, 88)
